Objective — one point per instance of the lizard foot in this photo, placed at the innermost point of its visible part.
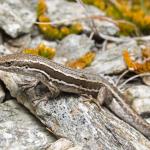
(90, 99)
(37, 101)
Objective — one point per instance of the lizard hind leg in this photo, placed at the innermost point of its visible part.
(104, 96)
(91, 99)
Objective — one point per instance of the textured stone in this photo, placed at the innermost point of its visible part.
(74, 46)
(20, 130)
(17, 16)
(140, 95)
(4, 50)
(2, 94)
(66, 14)
(111, 60)
(39, 39)
(61, 144)
(18, 44)
(81, 122)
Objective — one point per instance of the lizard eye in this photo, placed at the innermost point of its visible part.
(26, 66)
(7, 64)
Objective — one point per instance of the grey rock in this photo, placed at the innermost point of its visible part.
(146, 80)
(39, 39)
(70, 11)
(4, 50)
(74, 46)
(81, 122)
(140, 95)
(18, 44)
(67, 10)
(61, 144)
(2, 94)
(21, 41)
(106, 27)
(20, 130)
(76, 148)
(1, 38)
(111, 60)
(17, 16)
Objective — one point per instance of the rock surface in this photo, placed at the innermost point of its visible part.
(14, 23)
(61, 144)
(20, 130)
(67, 14)
(2, 94)
(18, 44)
(17, 16)
(4, 50)
(140, 96)
(81, 122)
(111, 60)
(74, 46)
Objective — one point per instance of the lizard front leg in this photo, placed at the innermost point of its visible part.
(52, 93)
(28, 85)
(53, 89)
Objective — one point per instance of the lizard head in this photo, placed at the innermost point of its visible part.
(14, 62)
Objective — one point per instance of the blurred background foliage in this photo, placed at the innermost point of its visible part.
(132, 16)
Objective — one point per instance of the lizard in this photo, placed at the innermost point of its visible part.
(59, 78)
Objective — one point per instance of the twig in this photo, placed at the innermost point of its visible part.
(83, 17)
(104, 45)
(136, 76)
(121, 76)
(143, 38)
(91, 35)
(63, 21)
(137, 31)
(114, 39)
(92, 24)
